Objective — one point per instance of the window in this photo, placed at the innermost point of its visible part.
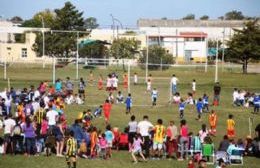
(24, 52)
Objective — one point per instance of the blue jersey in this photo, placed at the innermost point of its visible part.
(181, 106)
(257, 101)
(128, 102)
(109, 136)
(206, 100)
(199, 106)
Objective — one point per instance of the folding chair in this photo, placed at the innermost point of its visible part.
(236, 157)
(208, 152)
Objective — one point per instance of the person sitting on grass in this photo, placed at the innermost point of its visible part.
(137, 148)
(119, 97)
(98, 111)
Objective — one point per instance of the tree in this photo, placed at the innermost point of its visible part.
(244, 46)
(157, 55)
(59, 44)
(204, 17)
(93, 50)
(124, 49)
(91, 23)
(234, 15)
(189, 17)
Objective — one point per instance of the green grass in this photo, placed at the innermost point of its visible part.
(24, 76)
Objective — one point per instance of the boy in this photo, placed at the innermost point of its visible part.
(154, 96)
(199, 107)
(230, 126)
(256, 103)
(119, 97)
(181, 108)
(159, 133)
(193, 87)
(98, 111)
(128, 103)
(213, 122)
(71, 150)
(135, 79)
(205, 103)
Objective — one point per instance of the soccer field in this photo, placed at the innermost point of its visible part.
(21, 77)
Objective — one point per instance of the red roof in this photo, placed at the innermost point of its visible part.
(193, 34)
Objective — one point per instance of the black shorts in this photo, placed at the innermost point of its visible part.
(7, 138)
(131, 136)
(81, 91)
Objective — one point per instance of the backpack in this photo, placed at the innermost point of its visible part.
(17, 130)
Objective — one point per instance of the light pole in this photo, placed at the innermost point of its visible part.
(121, 25)
(77, 58)
(113, 27)
(43, 42)
(146, 64)
(223, 49)
(216, 66)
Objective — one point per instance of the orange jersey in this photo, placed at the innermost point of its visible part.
(100, 84)
(230, 124)
(213, 119)
(93, 138)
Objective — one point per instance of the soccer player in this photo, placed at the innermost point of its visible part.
(230, 126)
(107, 109)
(213, 122)
(125, 81)
(128, 103)
(154, 96)
(181, 108)
(256, 101)
(71, 150)
(193, 87)
(199, 107)
(100, 82)
(205, 100)
(135, 78)
(159, 134)
(82, 86)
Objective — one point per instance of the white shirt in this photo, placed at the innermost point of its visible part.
(144, 127)
(202, 135)
(36, 94)
(194, 86)
(149, 85)
(8, 125)
(51, 115)
(8, 102)
(174, 80)
(132, 126)
(36, 106)
(235, 95)
(135, 78)
(115, 82)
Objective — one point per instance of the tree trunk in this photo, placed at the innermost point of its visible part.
(245, 66)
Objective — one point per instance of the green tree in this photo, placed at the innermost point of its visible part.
(204, 17)
(156, 55)
(59, 44)
(93, 50)
(244, 46)
(189, 17)
(124, 49)
(234, 15)
(91, 23)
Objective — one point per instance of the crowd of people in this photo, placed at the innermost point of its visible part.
(34, 121)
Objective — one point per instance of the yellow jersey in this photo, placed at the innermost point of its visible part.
(230, 124)
(71, 147)
(159, 133)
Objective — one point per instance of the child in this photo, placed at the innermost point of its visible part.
(119, 97)
(135, 78)
(137, 149)
(91, 78)
(159, 134)
(71, 150)
(154, 96)
(205, 100)
(107, 109)
(103, 145)
(82, 86)
(193, 87)
(125, 81)
(176, 98)
(128, 103)
(109, 137)
(256, 101)
(93, 142)
(199, 107)
(230, 126)
(213, 122)
(149, 85)
(98, 111)
(100, 82)
(82, 152)
(111, 98)
(78, 99)
(181, 108)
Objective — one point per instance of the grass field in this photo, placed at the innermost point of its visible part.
(24, 76)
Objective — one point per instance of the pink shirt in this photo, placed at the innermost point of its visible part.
(44, 127)
(184, 131)
(102, 143)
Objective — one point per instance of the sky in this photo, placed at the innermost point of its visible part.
(129, 11)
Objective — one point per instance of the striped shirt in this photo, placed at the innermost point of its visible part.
(71, 147)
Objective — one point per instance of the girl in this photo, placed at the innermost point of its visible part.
(103, 145)
(59, 136)
(109, 137)
(93, 142)
(107, 108)
(137, 147)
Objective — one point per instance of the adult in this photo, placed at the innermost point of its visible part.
(174, 81)
(17, 137)
(183, 139)
(223, 146)
(52, 117)
(59, 136)
(132, 127)
(144, 128)
(217, 90)
(171, 139)
(78, 131)
(9, 124)
(69, 86)
(29, 134)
